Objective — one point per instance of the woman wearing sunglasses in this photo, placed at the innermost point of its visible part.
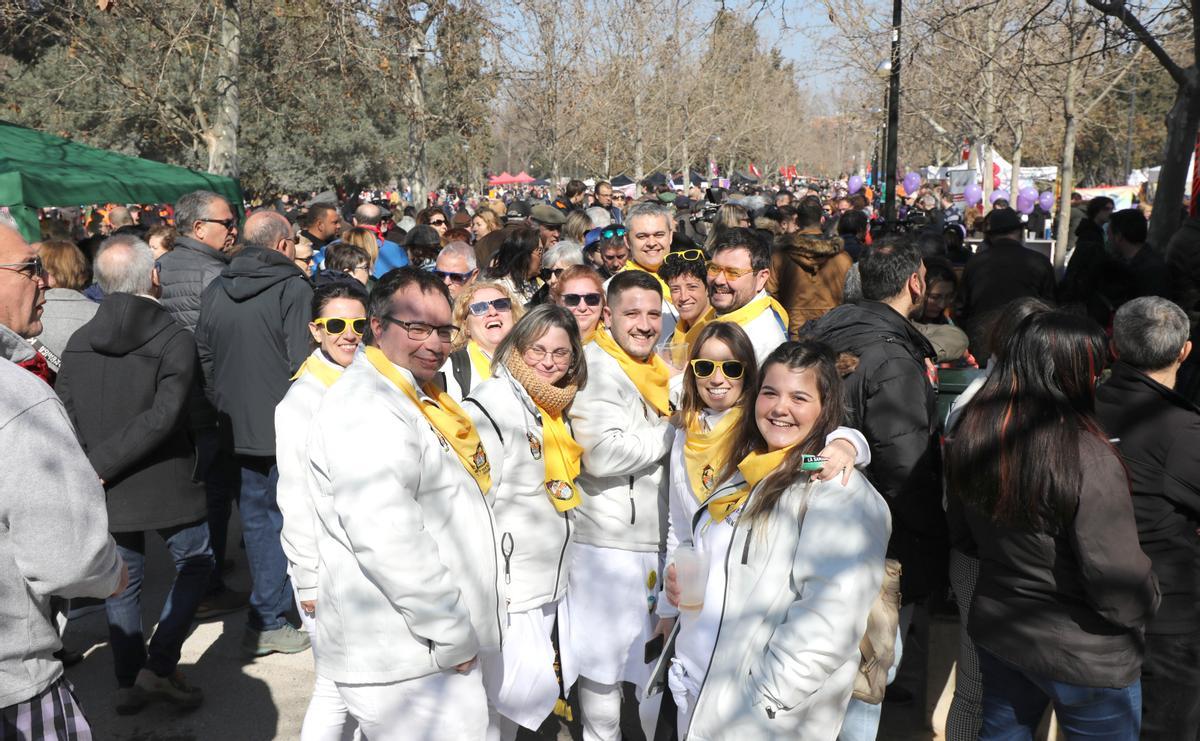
(486, 312)
(794, 563)
(340, 309)
(517, 263)
(580, 290)
(519, 413)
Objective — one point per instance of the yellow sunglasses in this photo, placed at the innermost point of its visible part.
(337, 324)
(730, 273)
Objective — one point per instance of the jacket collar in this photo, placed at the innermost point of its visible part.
(13, 346)
(1131, 382)
(900, 326)
(196, 245)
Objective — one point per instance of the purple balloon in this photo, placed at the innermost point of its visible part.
(1025, 205)
(972, 194)
(1046, 199)
(912, 181)
(1029, 193)
(854, 184)
(998, 194)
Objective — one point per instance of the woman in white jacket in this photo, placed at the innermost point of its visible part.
(721, 367)
(518, 412)
(795, 564)
(339, 310)
(486, 312)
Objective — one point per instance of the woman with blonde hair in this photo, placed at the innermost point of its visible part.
(578, 223)
(483, 223)
(66, 308)
(364, 239)
(729, 216)
(486, 312)
(520, 413)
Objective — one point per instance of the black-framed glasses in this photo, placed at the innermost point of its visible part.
(456, 278)
(421, 331)
(571, 300)
(612, 231)
(686, 256)
(479, 308)
(33, 268)
(336, 324)
(229, 223)
(703, 368)
(548, 273)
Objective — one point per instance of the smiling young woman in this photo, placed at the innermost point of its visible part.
(772, 650)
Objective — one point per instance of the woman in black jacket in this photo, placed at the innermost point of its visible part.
(1064, 589)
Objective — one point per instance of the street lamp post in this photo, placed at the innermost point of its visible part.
(893, 126)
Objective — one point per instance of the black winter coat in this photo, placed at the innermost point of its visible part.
(1069, 604)
(1157, 432)
(253, 336)
(1005, 271)
(185, 272)
(891, 401)
(125, 380)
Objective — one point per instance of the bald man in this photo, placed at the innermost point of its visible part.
(55, 541)
(391, 255)
(252, 337)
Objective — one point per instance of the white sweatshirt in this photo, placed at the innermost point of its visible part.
(410, 577)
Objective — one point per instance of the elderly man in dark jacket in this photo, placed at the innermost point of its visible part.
(1157, 432)
(253, 336)
(1005, 271)
(884, 360)
(207, 227)
(126, 378)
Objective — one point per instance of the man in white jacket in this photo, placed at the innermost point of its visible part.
(620, 420)
(409, 590)
(737, 281)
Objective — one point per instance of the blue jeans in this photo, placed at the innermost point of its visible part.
(1015, 700)
(220, 474)
(262, 524)
(188, 545)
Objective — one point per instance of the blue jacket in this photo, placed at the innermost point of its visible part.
(391, 255)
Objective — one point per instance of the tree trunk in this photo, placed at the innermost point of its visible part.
(417, 158)
(1015, 181)
(222, 136)
(1182, 121)
(1066, 174)
(988, 166)
(639, 154)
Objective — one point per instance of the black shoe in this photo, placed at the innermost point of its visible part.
(222, 603)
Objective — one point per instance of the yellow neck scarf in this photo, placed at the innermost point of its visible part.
(749, 313)
(562, 455)
(705, 453)
(650, 376)
(451, 423)
(631, 265)
(754, 467)
(481, 365)
(324, 372)
(689, 334)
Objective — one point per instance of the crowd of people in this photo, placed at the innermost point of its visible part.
(671, 466)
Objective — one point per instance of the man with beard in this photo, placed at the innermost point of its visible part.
(737, 280)
(891, 400)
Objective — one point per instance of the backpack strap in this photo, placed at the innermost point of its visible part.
(460, 368)
(481, 408)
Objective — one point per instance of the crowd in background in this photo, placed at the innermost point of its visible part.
(481, 450)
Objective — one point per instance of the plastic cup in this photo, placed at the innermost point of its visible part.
(691, 573)
(674, 354)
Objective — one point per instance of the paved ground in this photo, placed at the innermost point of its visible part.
(266, 698)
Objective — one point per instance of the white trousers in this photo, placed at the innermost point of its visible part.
(446, 706)
(327, 717)
(600, 706)
(520, 680)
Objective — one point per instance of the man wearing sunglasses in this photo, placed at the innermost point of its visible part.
(410, 584)
(54, 544)
(456, 267)
(737, 279)
(207, 232)
(252, 337)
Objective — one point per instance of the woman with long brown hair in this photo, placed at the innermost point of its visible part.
(791, 565)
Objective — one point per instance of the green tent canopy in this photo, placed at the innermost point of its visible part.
(38, 170)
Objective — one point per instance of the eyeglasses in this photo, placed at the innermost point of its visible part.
(455, 278)
(571, 300)
(33, 268)
(356, 268)
(537, 354)
(612, 231)
(548, 273)
(479, 308)
(686, 256)
(337, 325)
(306, 260)
(229, 224)
(703, 368)
(730, 273)
(421, 331)
(439, 222)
